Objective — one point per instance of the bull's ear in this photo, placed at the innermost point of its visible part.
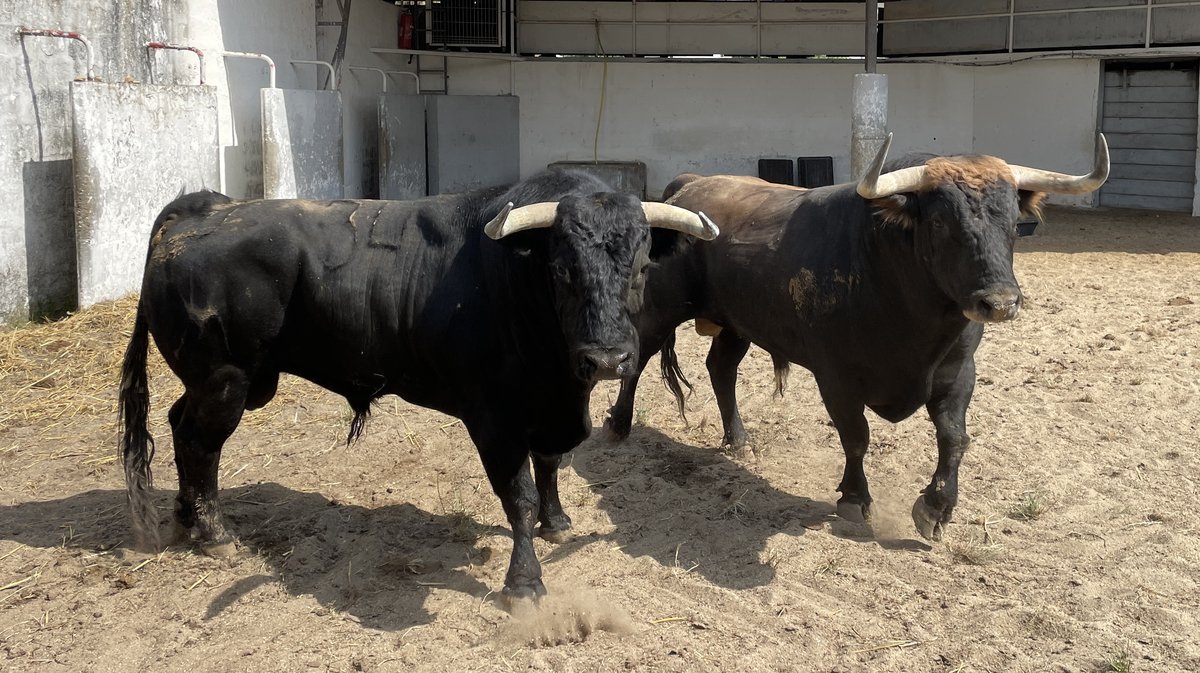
(1031, 203)
(667, 242)
(897, 210)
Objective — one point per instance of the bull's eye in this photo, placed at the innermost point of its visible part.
(561, 272)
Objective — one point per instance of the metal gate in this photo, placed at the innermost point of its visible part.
(1150, 121)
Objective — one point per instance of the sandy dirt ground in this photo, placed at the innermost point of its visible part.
(1075, 546)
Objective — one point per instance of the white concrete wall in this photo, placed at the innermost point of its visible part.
(283, 30)
(677, 116)
(717, 117)
(35, 127)
(721, 117)
(372, 24)
(1042, 114)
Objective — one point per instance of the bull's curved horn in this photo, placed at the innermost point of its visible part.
(511, 220)
(1037, 180)
(666, 216)
(872, 185)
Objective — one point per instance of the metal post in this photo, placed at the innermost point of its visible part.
(634, 35)
(1149, 22)
(758, 28)
(868, 127)
(68, 34)
(1011, 23)
(872, 38)
(151, 46)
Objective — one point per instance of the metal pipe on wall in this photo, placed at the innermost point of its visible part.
(328, 65)
(154, 44)
(383, 75)
(262, 57)
(66, 34)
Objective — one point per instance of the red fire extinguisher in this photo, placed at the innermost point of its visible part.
(405, 34)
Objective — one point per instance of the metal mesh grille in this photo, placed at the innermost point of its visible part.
(466, 23)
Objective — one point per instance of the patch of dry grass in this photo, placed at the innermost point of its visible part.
(1030, 507)
(56, 374)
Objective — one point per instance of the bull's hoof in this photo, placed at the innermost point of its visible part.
(180, 534)
(735, 440)
(526, 594)
(616, 429)
(852, 510)
(221, 549)
(557, 535)
(929, 521)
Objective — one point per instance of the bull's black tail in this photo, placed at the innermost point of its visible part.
(672, 375)
(137, 446)
(782, 367)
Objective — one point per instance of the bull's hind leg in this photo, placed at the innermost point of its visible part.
(619, 419)
(201, 421)
(554, 524)
(724, 356)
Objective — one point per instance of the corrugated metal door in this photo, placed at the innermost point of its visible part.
(1150, 123)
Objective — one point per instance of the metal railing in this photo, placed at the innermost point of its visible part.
(1013, 13)
(758, 22)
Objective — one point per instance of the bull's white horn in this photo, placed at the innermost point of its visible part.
(872, 185)
(1038, 180)
(665, 216)
(511, 220)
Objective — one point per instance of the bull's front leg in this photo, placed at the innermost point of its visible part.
(507, 465)
(934, 508)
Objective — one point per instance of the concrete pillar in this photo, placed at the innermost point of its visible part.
(868, 127)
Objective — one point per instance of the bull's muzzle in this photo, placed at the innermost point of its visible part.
(996, 305)
(603, 364)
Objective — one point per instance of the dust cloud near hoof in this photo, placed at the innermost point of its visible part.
(559, 619)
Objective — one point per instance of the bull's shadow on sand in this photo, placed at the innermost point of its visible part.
(695, 509)
(377, 564)
(689, 508)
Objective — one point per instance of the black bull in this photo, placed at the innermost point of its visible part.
(503, 326)
(880, 290)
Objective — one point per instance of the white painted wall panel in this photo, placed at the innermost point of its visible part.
(721, 117)
(1040, 113)
(123, 179)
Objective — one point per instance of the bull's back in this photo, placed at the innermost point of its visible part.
(740, 205)
(775, 247)
(339, 292)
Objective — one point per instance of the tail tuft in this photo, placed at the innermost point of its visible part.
(137, 445)
(782, 368)
(672, 375)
